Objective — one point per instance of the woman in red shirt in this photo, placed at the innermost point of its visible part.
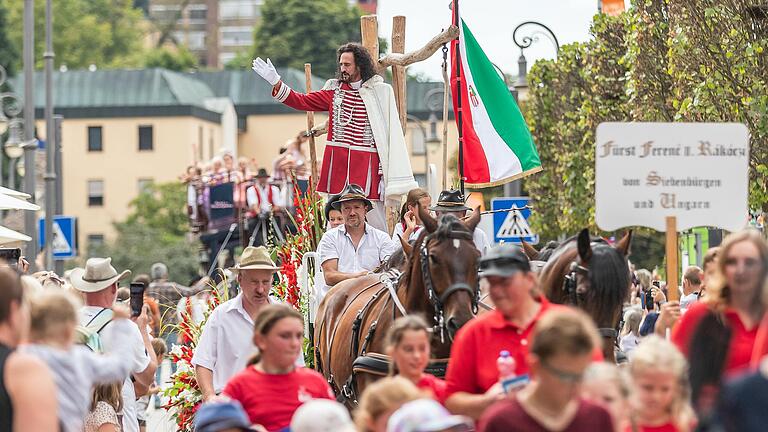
(272, 376)
(735, 296)
(408, 344)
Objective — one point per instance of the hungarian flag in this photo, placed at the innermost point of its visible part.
(497, 145)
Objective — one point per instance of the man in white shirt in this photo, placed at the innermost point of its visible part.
(355, 248)
(452, 201)
(226, 343)
(98, 281)
(691, 286)
(262, 197)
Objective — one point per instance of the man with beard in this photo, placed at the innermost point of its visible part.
(365, 143)
(355, 248)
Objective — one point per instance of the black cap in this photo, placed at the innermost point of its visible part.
(332, 199)
(450, 201)
(504, 260)
(262, 173)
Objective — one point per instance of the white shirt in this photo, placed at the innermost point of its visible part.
(399, 231)
(263, 198)
(226, 343)
(481, 240)
(687, 301)
(628, 343)
(374, 248)
(140, 362)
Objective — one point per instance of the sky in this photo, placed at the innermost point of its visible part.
(492, 22)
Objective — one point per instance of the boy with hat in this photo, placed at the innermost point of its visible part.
(98, 282)
(226, 345)
(452, 201)
(355, 248)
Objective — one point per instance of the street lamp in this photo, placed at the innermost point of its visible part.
(521, 85)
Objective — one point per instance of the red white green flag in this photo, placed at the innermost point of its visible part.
(497, 145)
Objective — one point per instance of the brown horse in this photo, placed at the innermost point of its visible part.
(439, 281)
(589, 273)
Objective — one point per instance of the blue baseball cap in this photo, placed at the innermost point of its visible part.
(218, 416)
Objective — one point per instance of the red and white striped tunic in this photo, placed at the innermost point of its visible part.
(350, 153)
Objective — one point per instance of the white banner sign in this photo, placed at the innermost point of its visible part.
(697, 172)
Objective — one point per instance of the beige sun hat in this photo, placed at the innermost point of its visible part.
(255, 258)
(97, 275)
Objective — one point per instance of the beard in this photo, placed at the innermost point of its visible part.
(343, 77)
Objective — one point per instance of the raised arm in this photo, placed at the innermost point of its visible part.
(313, 101)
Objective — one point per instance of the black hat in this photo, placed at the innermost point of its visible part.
(352, 192)
(504, 260)
(262, 173)
(451, 201)
(332, 199)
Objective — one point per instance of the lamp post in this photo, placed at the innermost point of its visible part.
(30, 218)
(521, 85)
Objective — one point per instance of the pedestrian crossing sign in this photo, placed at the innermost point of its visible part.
(64, 236)
(510, 221)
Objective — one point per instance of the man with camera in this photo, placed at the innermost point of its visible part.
(98, 282)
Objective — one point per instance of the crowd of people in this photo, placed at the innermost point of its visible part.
(74, 358)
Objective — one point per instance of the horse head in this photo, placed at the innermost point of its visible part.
(443, 273)
(589, 273)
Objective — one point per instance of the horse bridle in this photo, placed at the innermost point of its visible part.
(438, 301)
(570, 286)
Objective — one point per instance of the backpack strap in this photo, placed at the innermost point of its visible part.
(100, 320)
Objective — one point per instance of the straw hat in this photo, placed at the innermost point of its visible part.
(255, 258)
(352, 192)
(97, 275)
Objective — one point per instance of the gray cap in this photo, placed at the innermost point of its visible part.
(504, 260)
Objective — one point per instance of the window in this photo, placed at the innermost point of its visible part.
(95, 242)
(417, 142)
(145, 138)
(198, 13)
(194, 40)
(237, 36)
(238, 9)
(144, 184)
(95, 193)
(94, 139)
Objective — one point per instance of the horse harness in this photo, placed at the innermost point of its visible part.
(570, 286)
(376, 363)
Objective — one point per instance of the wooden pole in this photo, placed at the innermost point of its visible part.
(310, 124)
(446, 91)
(672, 289)
(369, 30)
(398, 72)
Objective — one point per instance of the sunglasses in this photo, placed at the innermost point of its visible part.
(567, 377)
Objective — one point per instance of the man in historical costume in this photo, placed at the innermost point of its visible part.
(365, 143)
(452, 201)
(264, 201)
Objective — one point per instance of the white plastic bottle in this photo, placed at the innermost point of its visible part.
(506, 365)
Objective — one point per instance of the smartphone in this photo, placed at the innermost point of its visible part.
(10, 256)
(137, 298)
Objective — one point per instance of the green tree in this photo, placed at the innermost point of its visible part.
(176, 59)
(9, 55)
(294, 32)
(107, 33)
(155, 231)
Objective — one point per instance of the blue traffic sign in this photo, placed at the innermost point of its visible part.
(512, 226)
(64, 236)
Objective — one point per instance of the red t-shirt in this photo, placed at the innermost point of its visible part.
(742, 339)
(509, 416)
(434, 384)
(271, 400)
(666, 427)
(472, 367)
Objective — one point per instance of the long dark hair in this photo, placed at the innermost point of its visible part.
(414, 195)
(363, 60)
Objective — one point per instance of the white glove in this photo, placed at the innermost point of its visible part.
(266, 70)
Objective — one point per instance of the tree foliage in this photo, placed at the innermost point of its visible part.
(106, 33)
(294, 32)
(9, 55)
(155, 232)
(172, 58)
(683, 60)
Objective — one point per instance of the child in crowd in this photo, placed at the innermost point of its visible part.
(408, 343)
(630, 334)
(75, 368)
(159, 347)
(660, 389)
(105, 404)
(381, 399)
(606, 385)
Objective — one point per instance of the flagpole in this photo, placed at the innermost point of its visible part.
(457, 22)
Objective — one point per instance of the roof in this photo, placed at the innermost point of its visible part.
(122, 93)
(160, 92)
